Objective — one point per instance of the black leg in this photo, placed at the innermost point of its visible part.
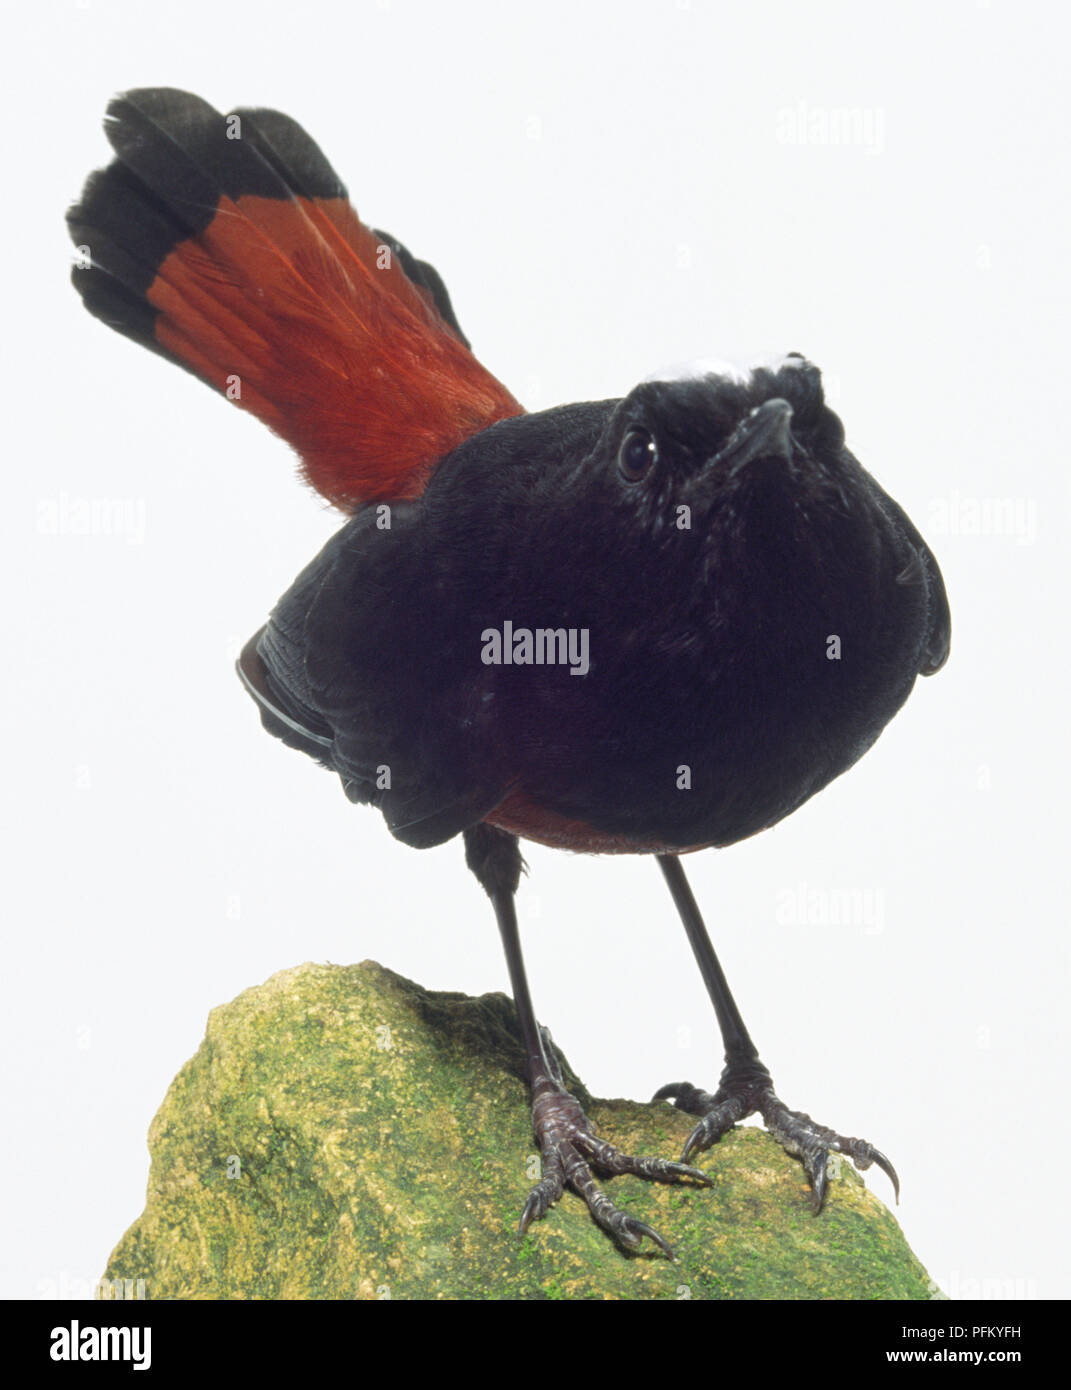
(746, 1087)
(569, 1148)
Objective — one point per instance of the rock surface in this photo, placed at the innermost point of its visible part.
(344, 1133)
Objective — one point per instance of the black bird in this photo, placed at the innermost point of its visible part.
(646, 625)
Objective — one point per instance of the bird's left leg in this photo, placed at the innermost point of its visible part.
(570, 1148)
(746, 1087)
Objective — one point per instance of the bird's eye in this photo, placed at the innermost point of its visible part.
(637, 453)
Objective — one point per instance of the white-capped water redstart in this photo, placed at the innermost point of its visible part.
(645, 625)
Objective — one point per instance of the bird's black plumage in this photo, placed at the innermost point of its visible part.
(647, 624)
(710, 642)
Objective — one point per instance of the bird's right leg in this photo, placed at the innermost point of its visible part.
(569, 1148)
(746, 1087)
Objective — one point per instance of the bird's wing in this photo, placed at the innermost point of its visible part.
(355, 668)
(921, 568)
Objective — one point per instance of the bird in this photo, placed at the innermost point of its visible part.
(653, 624)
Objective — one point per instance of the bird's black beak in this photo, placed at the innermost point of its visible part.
(764, 433)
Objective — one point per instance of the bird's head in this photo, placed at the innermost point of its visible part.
(747, 519)
(711, 447)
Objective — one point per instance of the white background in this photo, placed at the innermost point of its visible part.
(606, 188)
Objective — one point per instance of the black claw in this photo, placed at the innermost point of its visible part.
(541, 1198)
(685, 1170)
(626, 1236)
(863, 1155)
(693, 1142)
(531, 1213)
(641, 1229)
(889, 1171)
(819, 1176)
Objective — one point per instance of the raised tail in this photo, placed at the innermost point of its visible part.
(228, 245)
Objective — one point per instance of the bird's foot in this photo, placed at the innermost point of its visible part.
(571, 1151)
(747, 1089)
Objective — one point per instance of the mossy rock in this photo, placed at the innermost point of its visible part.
(344, 1133)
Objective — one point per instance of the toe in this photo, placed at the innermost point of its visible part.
(545, 1193)
(626, 1230)
(641, 1229)
(816, 1166)
(609, 1160)
(685, 1097)
(863, 1155)
(716, 1122)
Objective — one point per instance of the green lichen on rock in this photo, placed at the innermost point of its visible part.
(344, 1133)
